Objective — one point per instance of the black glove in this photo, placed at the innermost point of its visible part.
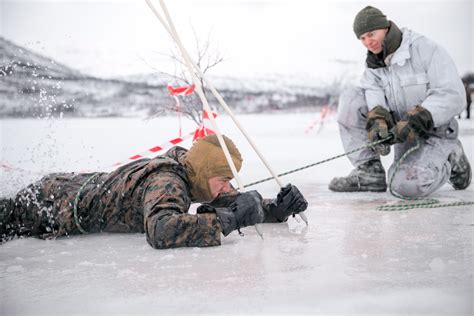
(419, 123)
(379, 122)
(289, 201)
(246, 210)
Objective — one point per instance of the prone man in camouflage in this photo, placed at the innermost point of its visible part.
(149, 196)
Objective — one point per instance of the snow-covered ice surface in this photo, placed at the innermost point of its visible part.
(351, 259)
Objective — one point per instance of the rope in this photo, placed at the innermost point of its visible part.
(369, 145)
(76, 202)
(426, 202)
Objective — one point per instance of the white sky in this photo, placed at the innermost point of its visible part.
(256, 38)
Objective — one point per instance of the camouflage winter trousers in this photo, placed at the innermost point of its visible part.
(45, 209)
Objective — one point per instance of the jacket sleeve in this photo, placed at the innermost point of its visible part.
(373, 89)
(446, 96)
(167, 224)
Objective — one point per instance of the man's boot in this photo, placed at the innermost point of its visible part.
(369, 176)
(461, 173)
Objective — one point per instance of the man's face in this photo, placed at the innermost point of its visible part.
(373, 40)
(219, 185)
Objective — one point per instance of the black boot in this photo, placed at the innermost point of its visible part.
(461, 173)
(369, 176)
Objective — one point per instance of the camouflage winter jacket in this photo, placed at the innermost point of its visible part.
(148, 195)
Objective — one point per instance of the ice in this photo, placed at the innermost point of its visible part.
(351, 259)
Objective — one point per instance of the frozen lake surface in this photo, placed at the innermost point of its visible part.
(351, 259)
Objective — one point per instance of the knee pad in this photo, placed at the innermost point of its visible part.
(414, 181)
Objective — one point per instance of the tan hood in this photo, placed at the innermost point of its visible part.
(205, 160)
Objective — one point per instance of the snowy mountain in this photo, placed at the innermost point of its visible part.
(33, 85)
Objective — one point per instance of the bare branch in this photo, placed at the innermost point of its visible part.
(191, 105)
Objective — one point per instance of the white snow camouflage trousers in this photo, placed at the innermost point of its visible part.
(421, 173)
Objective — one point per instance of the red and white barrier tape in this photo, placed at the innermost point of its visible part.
(180, 91)
(325, 111)
(200, 132)
(156, 149)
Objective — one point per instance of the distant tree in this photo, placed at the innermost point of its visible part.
(191, 105)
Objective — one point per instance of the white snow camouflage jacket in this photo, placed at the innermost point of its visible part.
(420, 72)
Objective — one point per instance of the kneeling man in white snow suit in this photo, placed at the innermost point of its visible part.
(412, 91)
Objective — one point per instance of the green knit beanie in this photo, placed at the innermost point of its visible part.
(369, 19)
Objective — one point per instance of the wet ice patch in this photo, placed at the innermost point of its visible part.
(15, 269)
(167, 257)
(93, 264)
(437, 265)
(296, 225)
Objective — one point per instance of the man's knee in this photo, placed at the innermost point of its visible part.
(415, 181)
(352, 107)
